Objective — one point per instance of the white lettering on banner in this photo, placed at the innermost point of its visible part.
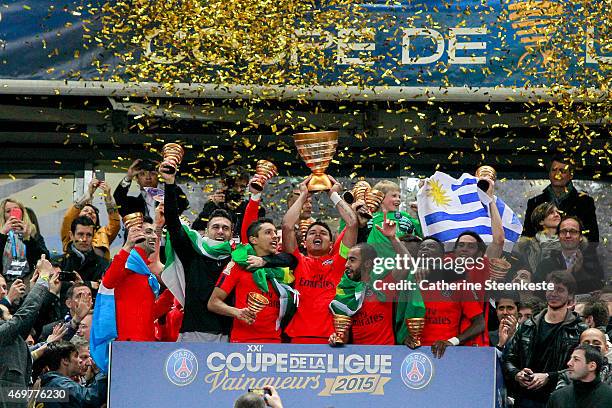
(299, 363)
(423, 32)
(454, 44)
(311, 45)
(344, 46)
(303, 43)
(591, 52)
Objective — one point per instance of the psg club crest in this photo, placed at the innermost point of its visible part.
(417, 371)
(181, 367)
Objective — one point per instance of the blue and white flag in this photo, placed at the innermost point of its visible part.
(447, 207)
(103, 327)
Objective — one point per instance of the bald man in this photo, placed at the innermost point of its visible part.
(598, 339)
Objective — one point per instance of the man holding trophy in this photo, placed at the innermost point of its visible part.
(263, 297)
(320, 270)
(358, 307)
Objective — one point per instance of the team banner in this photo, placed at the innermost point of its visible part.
(407, 44)
(200, 374)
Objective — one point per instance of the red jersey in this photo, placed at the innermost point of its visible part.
(235, 278)
(444, 319)
(316, 279)
(373, 323)
(479, 275)
(135, 304)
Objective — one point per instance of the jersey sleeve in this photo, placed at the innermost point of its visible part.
(228, 278)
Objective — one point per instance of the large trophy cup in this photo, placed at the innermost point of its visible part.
(415, 327)
(256, 302)
(265, 170)
(173, 155)
(486, 172)
(134, 220)
(342, 325)
(317, 150)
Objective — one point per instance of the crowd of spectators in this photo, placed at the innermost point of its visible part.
(176, 282)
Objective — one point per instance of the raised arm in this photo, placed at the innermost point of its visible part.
(388, 228)
(292, 216)
(346, 212)
(121, 192)
(250, 213)
(22, 321)
(114, 220)
(178, 237)
(496, 248)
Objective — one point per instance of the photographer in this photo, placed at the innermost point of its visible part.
(230, 197)
(21, 244)
(15, 358)
(103, 236)
(253, 399)
(146, 174)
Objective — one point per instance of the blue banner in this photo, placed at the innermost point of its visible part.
(206, 375)
(431, 43)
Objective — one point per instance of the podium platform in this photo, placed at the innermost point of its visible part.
(182, 375)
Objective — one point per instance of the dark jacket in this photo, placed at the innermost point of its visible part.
(92, 396)
(588, 278)
(15, 359)
(594, 394)
(91, 270)
(520, 353)
(605, 375)
(50, 311)
(201, 273)
(35, 247)
(47, 329)
(131, 204)
(574, 203)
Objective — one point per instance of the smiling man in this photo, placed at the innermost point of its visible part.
(574, 257)
(248, 327)
(201, 258)
(137, 291)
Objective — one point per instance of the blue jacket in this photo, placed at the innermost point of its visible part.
(79, 397)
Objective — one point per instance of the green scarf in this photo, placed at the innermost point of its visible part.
(174, 273)
(280, 278)
(349, 297)
(409, 303)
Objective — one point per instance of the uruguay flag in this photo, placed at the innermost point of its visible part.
(447, 207)
(103, 327)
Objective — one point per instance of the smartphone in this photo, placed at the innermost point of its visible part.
(16, 212)
(99, 175)
(260, 391)
(65, 276)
